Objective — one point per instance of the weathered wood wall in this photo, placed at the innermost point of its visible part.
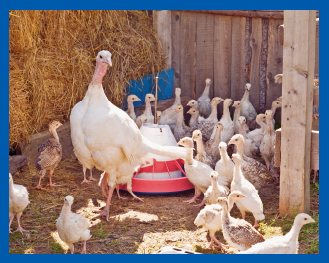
(231, 50)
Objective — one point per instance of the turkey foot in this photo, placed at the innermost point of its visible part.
(85, 181)
(120, 197)
(256, 224)
(84, 250)
(201, 204)
(20, 229)
(38, 187)
(53, 185)
(100, 213)
(91, 178)
(135, 197)
(193, 200)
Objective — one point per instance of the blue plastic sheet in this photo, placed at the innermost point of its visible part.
(146, 85)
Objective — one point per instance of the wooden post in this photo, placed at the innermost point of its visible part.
(297, 102)
(162, 26)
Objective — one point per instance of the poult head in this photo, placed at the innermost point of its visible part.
(179, 108)
(193, 111)
(200, 219)
(178, 91)
(260, 117)
(247, 87)
(236, 104)
(214, 175)
(104, 56)
(219, 127)
(68, 200)
(54, 125)
(187, 142)
(158, 115)
(149, 97)
(277, 103)
(236, 158)
(235, 195)
(216, 101)
(192, 103)
(133, 98)
(208, 81)
(242, 120)
(222, 146)
(303, 219)
(236, 139)
(196, 135)
(228, 102)
(279, 99)
(268, 114)
(222, 201)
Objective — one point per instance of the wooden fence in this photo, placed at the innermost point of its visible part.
(230, 47)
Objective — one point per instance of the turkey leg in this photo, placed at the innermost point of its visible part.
(84, 168)
(10, 221)
(19, 228)
(50, 182)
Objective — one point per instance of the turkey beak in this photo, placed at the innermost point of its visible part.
(189, 112)
(109, 61)
(230, 142)
(138, 99)
(313, 221)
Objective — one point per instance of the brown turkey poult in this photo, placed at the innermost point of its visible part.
(49, 154)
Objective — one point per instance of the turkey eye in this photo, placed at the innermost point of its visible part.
(237, 195)
(100, 56)
(236, 139)
(305, 218)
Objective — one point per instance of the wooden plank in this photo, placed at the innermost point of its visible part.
(248, 50)
(222, 59)
(204, 53)
(297, 99)
(316, 71)
(276, 14)
(238, 57)
(175, 46)
(274, 64)
(263, 66)
(188, 54)
(256, 45)
(162, 26)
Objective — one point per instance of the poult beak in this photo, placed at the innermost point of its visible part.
(109, 61)
(230, 142)
(138, 99)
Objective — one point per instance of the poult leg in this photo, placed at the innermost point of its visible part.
(50, 182)
(91, 178)
(315, 175)
(20, 229)
(71, 246)
(84, 248)
(11, 218)
(129, 188)
(84, 169)
(41, 174)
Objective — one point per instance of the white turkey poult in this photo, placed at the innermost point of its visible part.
(195, 117)
(181, 130)
(18, 201)
(72, 227)
(250, 149)
(112, 138)
(210, 217)
(148, 110)
(211, 146)
(131, 109)
(194, 105)
(224, 167)
(204, 101)
(247, 109)
(252, 203)
(213, 115)
(169, 116)
(202, 155)
(287, 244)
(237, 106)
(257, 135)
(268, 142)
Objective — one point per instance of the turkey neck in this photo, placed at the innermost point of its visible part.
(100, 71)
(224, 157)
(226, 111)
(213, 114)
(200, 146)
(53, 132)
(245, 96)
(148, 109)
(236, 114)
(225, 215)
(240, 149)
(189, 156)
(243, 130)
(177, 100)
(66, 211)
(269, 126)
(237, 176)
(130, 106)
(217, 137)
(230, 202)
(261, 124)
(11, 188)
(180, 119)
(206, 91)
(294, 232)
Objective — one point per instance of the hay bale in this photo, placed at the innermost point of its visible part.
(52, 60)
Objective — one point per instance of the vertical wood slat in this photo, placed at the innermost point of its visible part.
(162, 26)
(175, 44)
(256, 45)
(238, 57)
(274, 64)
(204, 54)
(317, 48)
(297, 89)
(222, 59)
(188, 53)
(263, 66)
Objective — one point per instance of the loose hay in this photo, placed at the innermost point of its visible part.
(52, 59)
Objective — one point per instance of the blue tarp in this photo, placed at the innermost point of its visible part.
(146, 85)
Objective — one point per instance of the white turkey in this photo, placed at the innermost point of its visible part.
(194, 105)
(268, 142)
(181, 130)
(131, 110)
(72, 227)
(257, 135)
(237, 106)
(148, 110)
(252, 203)
(213, 115)
(49, 155)
(202, 155)
(195, 117)
(287, 244)
(224, 167)
(254, 171)
(247, 109)
(238, 232)
(275, 104)
(169, 116)
(210, 217)
(18, 201)
(112, 138)
(204, 101)
(250, 149)
(227, 122)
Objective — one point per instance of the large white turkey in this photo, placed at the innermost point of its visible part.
(112, 139)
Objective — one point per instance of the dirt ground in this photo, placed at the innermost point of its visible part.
(134, 226)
